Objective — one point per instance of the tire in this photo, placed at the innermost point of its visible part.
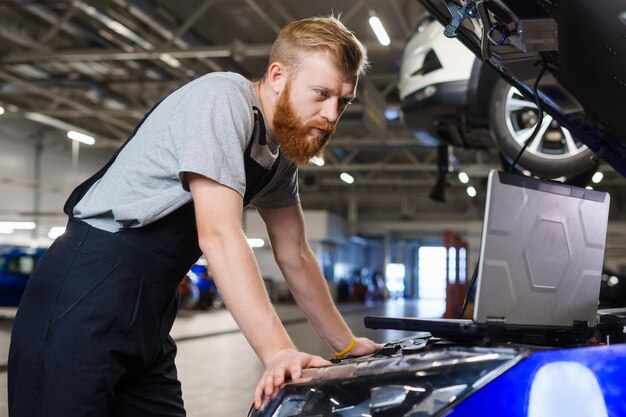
(580, 180)
(553, 153)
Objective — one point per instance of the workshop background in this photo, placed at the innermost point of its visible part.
(385, 241)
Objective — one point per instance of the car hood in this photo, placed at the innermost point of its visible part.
(580, 44)
(414, 375)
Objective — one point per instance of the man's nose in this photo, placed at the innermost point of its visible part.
(330, 111)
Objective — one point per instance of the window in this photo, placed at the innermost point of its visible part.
(432, 272)
(452, 265)
(462, 265)
(395, 274)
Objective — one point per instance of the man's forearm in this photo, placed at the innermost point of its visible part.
(238, 279)
(310, 290)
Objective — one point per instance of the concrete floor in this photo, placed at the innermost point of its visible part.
(218, 369)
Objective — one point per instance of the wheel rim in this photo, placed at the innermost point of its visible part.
(553, 141)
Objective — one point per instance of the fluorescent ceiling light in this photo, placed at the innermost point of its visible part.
(316, 160)
(256, 243)
(56, 232)
(81, 137)
(379, 30)
(170, 60)
(18, 225)
(48, 121)
(1, 110)
(347, 178)
(5, 230)
(463, 177)
(392, 113)
(51, 121)
(597, 177)
(471, 191)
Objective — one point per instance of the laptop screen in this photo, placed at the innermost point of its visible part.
(541, 253)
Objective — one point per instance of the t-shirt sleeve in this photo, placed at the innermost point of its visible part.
(211, 127)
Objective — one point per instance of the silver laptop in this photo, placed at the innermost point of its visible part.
(540, 263)
(541, 252)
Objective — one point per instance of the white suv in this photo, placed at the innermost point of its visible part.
(450, 96)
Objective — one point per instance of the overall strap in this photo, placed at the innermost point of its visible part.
(258, 118)
(82, 189)
(257, 176)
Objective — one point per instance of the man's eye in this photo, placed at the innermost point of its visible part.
(322, 93)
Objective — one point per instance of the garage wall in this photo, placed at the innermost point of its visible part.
(20, 189)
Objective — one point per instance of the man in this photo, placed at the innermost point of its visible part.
(91, 336)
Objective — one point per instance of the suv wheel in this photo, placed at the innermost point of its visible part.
(553, 153)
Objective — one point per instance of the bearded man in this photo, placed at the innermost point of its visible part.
(91, 336)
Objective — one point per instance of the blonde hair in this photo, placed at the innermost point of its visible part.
(320, 34)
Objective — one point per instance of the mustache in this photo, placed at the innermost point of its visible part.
(326, 126)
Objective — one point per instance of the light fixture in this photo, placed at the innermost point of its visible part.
(18, 225)
(379, 30)
(81, 137)
(52, 122)
(319, 161)
(392, 113)
(256, 243)
(1, 110)
(589, 187)
(56, 232)
(471, 191)
(5, 230)
(347, 178)
(463, 177)
(597, 177)
(170, 60)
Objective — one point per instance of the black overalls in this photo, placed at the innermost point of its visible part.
(91, 335)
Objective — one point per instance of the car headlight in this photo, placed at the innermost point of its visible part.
(414, 385)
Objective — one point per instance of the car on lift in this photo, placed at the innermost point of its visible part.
(451, 96)
(16, 265)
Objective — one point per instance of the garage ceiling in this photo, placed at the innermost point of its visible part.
(98, 66)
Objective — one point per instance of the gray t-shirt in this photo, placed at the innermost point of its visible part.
(203, 127)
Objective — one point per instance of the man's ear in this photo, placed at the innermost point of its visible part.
(277, 76)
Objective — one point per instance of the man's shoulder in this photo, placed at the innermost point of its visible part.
(213, 91)
(227, 81)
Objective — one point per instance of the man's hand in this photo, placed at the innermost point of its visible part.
(364, 346)
(285, 362)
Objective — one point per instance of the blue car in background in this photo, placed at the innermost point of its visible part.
(198, 290)
(16, 265)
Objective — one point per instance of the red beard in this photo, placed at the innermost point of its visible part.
(299, 142)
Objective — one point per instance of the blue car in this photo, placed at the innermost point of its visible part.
(421, 377)
(198, 290)
(16, 265)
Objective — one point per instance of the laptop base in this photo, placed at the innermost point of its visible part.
(489, 333)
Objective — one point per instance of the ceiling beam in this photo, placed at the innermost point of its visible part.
(93, 55)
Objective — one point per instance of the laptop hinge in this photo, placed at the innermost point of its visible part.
(496, 321)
